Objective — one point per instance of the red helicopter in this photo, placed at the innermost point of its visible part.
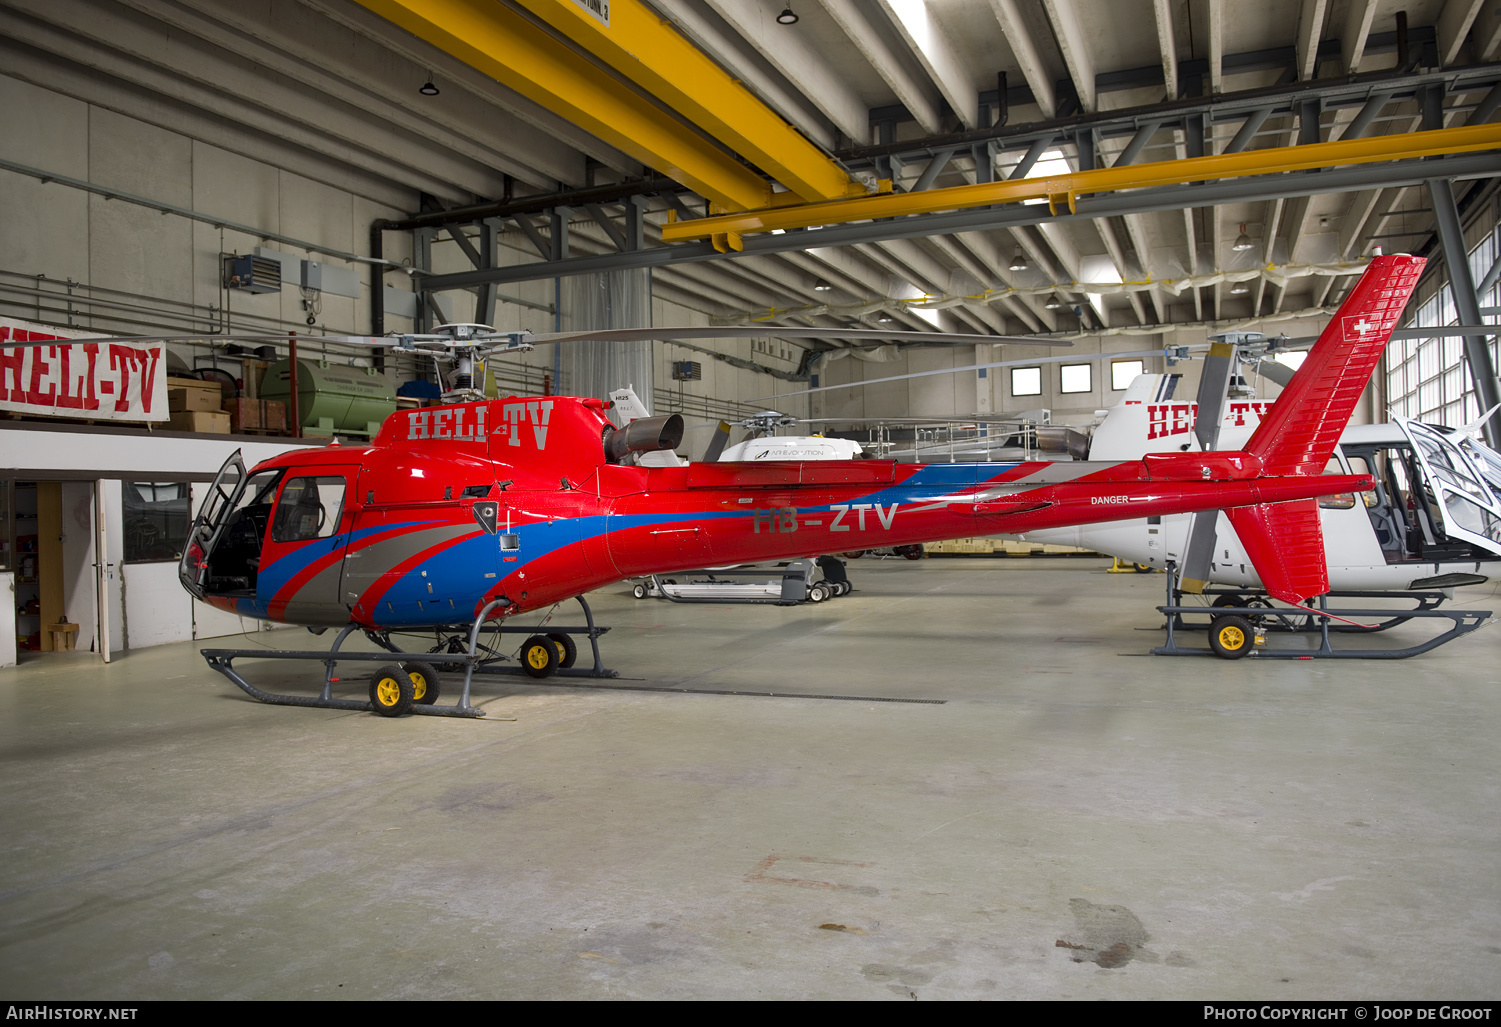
(455, 518)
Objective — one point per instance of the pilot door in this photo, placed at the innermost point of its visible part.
(302, 559)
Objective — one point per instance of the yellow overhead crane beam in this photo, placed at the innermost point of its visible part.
(647, 50)
(511, 49)
(1062, 190)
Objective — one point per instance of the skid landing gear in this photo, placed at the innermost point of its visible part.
(1238, 625)
(410, 683)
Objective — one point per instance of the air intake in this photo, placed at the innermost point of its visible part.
(252, 274)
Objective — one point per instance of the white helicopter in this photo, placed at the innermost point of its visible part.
(1433, 521)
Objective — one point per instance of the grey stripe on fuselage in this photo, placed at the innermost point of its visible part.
(363, 567)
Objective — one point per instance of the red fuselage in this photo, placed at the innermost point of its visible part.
(452, 507)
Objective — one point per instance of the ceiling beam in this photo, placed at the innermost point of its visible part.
(1353, 226)
(797, 60)
(1136, 228)
(699, 24)
(984, 247)
(921, 98)
(646, 50)
(1072, 41)
(1024, 49)
(1162, 10)
(1113, 247)
(518, 53)
(935, 52)
(1453, 25)
(378, 30)
(360, 74)
(1216, 47)
(1358, 18)
(1487, 33)
(1310, 31)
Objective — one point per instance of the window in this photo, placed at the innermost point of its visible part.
(1026, 381)
(309, 509)
(1427, 379)
(1075, 378)
(154, 517)
(1124, 372)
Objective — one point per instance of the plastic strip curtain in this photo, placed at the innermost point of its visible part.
(609, 299)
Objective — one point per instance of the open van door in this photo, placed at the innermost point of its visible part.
(1470, 510)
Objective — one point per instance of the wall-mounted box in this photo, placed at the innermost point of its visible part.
(314, 274)
(252, 274)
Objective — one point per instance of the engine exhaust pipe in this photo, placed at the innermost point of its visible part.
(1059, 439)
(647, 435)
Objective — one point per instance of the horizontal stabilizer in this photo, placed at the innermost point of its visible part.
(1286, 546)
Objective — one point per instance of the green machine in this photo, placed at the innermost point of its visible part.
(333, 398)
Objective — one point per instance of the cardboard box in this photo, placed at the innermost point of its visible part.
(192, 394)
(244, 414)
(210, 422)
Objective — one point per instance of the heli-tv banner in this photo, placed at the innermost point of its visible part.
(94, 380)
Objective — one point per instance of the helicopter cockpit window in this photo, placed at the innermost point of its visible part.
(309, 509)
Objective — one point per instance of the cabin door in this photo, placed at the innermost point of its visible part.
(1469, 509)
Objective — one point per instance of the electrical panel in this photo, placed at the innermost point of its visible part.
(252, 274)
(687, 371)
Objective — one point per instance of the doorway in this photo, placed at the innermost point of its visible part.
(47, 542)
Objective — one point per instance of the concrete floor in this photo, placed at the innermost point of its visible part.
(1076, 820)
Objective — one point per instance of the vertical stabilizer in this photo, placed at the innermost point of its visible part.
(1297, 436)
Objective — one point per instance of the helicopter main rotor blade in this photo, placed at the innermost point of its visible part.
(1448, 332)
(372, 341)
(147, 340)
(1274, 371)
(740, 332)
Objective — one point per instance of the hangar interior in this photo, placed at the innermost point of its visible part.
(991, 798)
